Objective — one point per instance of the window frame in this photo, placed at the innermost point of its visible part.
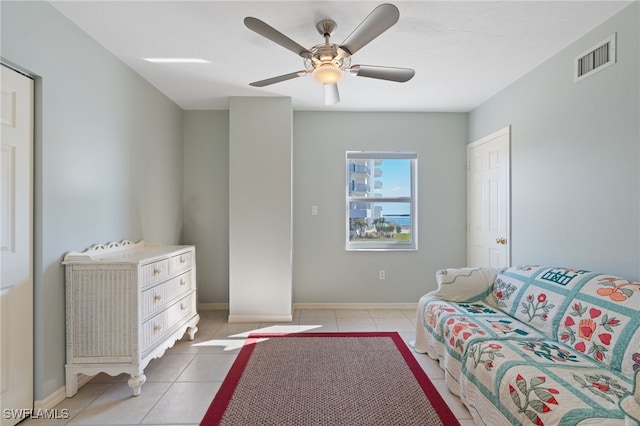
(412, 199)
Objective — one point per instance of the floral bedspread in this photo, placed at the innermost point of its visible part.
(546, 346)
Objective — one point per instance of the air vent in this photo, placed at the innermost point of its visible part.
(596, 59)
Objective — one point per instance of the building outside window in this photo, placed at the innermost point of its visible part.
(381, 201)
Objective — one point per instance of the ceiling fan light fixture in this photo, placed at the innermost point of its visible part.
(327, 73)
(328, 61)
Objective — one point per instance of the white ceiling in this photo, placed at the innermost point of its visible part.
(463, 52)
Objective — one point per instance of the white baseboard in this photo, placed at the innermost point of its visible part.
(260, 318)
(51, 400)
(59, 395)
(402, 306)
(213, 306)
(303, 305)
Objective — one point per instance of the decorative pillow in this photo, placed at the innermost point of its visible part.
(464, 284)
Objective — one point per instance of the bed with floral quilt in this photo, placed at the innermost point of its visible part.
(536, 345)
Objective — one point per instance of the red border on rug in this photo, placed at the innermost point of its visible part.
(218, 406)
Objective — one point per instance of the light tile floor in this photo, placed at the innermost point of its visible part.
(181, 384)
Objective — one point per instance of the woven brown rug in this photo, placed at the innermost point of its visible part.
(327, 379)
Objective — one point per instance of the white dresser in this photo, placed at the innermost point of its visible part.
(126, 303)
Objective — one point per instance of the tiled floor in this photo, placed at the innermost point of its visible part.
(181, 384)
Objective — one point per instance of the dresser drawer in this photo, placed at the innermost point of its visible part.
(155, 272)
(181, 262)
(156, 298)
(154, 330)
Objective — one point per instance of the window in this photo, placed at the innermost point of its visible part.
(381, 201)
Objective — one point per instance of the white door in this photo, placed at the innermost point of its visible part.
(488, 201)
(16, 252)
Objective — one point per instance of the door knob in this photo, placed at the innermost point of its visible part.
(501, 240)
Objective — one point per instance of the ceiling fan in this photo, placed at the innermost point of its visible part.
(327, 62)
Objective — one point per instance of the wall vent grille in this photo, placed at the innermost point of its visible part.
(596, 59)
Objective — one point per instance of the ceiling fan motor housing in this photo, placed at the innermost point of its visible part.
(328, 54)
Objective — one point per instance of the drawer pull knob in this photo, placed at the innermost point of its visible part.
(157, 328)
(183, 306)
(182, 261)
(183, 282)
(156, 272)
(157, 298)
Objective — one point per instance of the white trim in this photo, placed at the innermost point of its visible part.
(379, 306)
(260, 318)
(59, 395)
(323, 305)
(505, 131)
(213, 306)
(5, 63)
(51, 400)
(381, 155)
(412, 200)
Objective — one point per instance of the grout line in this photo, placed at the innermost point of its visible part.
(157, 401)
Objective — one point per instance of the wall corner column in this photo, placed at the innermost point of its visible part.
(260, 209)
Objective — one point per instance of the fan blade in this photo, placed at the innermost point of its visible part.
(275, 36)
(278, 79)
(331, 94)
(383, 73)
(380, 20)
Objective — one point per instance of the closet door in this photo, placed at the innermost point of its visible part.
(16, 249)
(488, 200)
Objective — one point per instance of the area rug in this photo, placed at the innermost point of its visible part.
(327, 379)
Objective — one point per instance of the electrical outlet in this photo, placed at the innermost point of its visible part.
(381, 274)
(314, 210)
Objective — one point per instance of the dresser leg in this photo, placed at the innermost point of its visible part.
(135, 382)
(71, 384)
(192, 332)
